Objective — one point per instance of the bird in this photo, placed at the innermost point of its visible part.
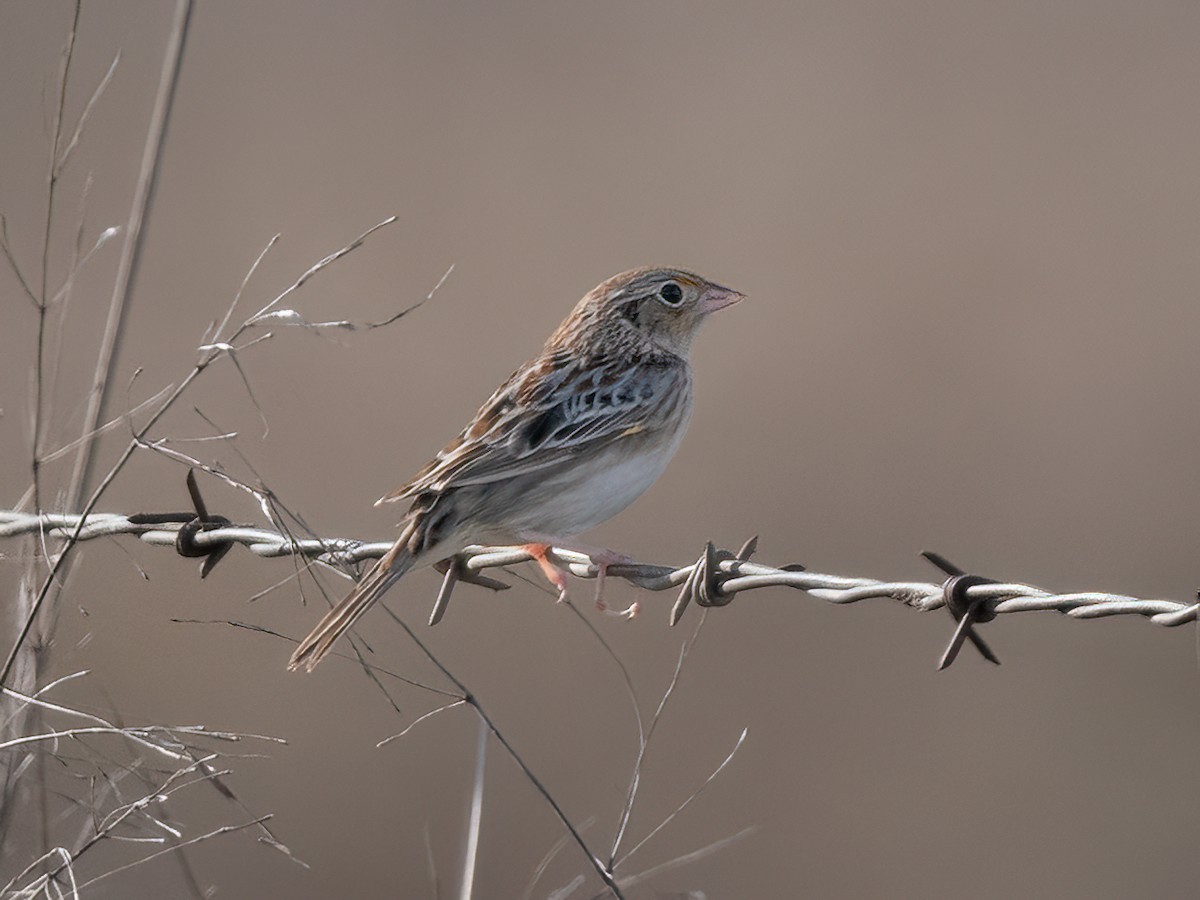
(569, 440)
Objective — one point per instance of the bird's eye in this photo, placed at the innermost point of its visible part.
(671, 294)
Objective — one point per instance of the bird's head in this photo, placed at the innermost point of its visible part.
(661, 306)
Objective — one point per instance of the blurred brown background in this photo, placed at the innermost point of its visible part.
(969, 234)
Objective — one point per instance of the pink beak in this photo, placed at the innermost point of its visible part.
(716, 297)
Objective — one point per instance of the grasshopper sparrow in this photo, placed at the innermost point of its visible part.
(569, 440)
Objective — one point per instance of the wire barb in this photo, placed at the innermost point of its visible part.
(967, 612)
(706, 582)
(185, 540)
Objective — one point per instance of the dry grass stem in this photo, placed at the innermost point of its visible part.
(475, 821)
(684, 805)
(630, 881)
(635, 780)
(417, 721)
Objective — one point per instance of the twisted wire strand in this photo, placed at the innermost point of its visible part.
(713, 580)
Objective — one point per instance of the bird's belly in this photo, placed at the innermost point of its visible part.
(567, 503)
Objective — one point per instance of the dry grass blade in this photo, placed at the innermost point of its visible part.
(216, 832)
(131, 252)
(682, 806)
(626, 679)
(173, 783)
(635, 781)
(417, 721)
(106, 427)
(475, 822)
(27, 605)
(82, 260)
(41, 883)
(431, 863)
(111, 816)
(293, 317)
(141, 740)
(686, 859)
(86, 114)
(68, 56)
(317, 267)
(35, 698)
(6, 247)
(554, 850)
(374, 669)
(567, 889)
(142, 731)
(39, 411)
(249, 390)
(220, 327)
(603, 872)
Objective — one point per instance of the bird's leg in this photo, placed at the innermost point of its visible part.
(602, 559)
(554, 573)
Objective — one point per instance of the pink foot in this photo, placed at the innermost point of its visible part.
(554, 573)
(602, 559)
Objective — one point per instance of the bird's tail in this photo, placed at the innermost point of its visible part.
(381, 576)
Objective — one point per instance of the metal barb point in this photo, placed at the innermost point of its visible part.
(966, 612)
(748, 549)
(684, 598)
(444, 592)
(454, 570)
(948, 568)
(185, 538)
(704, 582)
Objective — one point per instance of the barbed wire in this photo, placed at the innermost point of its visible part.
(714, 579)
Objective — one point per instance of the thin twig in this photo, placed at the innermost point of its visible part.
(216, 832)
(417, 721)
(635, 780)
(106, 427)
(61, 163)
(139, 731)
(554, 850)
(40, 413)
(6, 247)
(314, 269)
(684, 805)
(42, 305)
(605, 875)
(686, 859)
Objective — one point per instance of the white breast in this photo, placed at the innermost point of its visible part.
(592, 492)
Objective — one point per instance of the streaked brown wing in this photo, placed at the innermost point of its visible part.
(548, 413)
